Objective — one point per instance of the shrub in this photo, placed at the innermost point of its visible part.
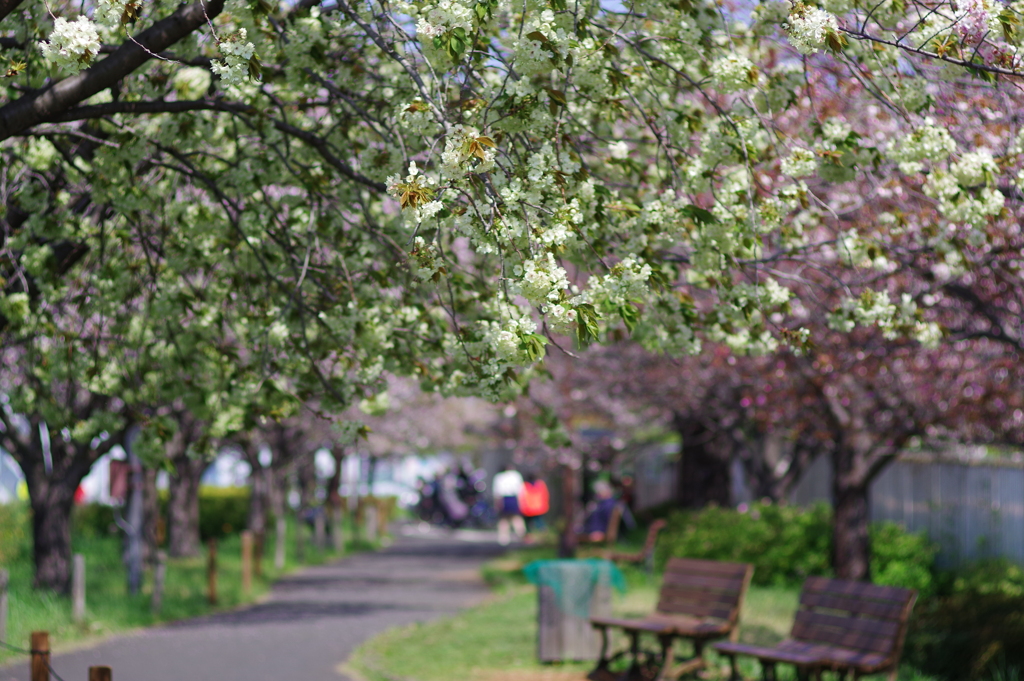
(976, 628)
(14, 539)
(222, 511)
(787, 544)
(900, 558)
(92, 520)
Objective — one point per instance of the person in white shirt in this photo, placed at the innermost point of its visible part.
(507, 486)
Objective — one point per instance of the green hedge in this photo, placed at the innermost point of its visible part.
(786, 544)
(223, 511)
(14, 539)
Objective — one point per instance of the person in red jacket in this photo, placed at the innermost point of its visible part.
(534, 501)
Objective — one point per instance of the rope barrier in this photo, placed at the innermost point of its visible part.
(24, 651)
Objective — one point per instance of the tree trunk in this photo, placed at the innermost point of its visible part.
(52, 481)
(703, 472)
(851, 546)
(52, 478)
(851, 552)
(151, 513)
(183, 507)
(52, 496)
(258, 498)
(51, 534)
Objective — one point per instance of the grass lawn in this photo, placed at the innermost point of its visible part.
(497, 641)
(110, 609)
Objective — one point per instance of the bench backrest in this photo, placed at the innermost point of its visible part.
(856, 615)
(611, 535)
(704, 588)
(652, 536)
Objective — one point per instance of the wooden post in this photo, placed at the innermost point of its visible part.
(78, 588)
(246, 561)
(5, 578)
(319, 529)
(159, 575)
(99, 674)
(211, 571)
(370, 517)
(257, 554)
(40, 647)
(279, 539)
(337, 527)
(300, 539)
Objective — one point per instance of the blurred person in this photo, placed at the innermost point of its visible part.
(455, 509)
(595, 525)
(534, 502)
(507, 486)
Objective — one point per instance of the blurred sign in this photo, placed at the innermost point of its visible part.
(120, 472)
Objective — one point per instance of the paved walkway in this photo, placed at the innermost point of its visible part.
(309, 625)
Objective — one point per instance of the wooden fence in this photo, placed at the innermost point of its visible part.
(972, 510)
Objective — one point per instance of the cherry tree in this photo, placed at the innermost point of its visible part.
(447, 189)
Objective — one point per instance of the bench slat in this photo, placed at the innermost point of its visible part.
(878, 609)
(731, 584)
(876, 636)
(716, 610)
(706, 567)
(843, 587)
(698, 594)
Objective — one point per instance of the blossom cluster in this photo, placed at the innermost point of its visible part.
(800, 163)
(72, 44)
(809, 27)
(445, 16)
(733, 72)
(110, 12)
(541, 279)
(238, 52)
(466, 151)
(929, 142)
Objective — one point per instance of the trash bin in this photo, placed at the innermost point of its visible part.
(569, 593)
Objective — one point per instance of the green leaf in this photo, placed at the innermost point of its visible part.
(586, 324)
(699, 215)
(630, 316)
(558, 96)
(255, 68)
(533, 345)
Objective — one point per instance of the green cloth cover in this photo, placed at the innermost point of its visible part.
(573, 581)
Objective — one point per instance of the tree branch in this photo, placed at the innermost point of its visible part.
(316, 142)
(38, 107)
(8, 6)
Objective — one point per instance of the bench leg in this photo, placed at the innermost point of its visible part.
(767, 670)
(694, 663)
(601, 671)
(667, 658)
(635, 671)
(734, 670)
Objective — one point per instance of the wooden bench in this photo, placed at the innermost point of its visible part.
(644, 556)
(700, 600)
(841, 626)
